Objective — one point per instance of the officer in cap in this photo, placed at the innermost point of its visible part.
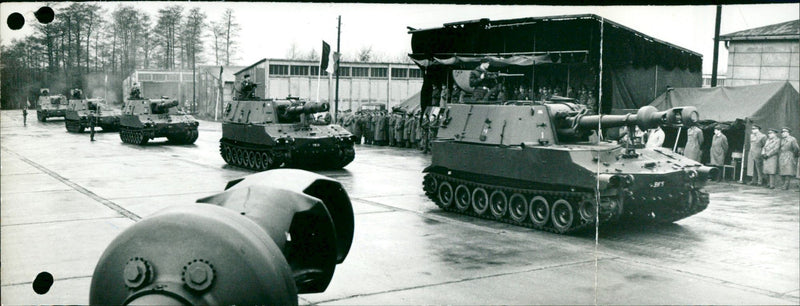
(719, 147)
(770, 155)
(787, 157)
(755, 162)
(247, 90)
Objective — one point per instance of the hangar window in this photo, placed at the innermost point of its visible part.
(315, 71)
(145, 77)
(173, 77)
(414, 73)
(399, 72)
(360, 71)
(278, 69)
(344, 71)
(159, 77)
(379, 72)
(299, 70)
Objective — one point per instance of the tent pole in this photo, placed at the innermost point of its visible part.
(678, 137)
(744, 145)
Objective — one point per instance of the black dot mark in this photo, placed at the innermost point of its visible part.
(45, 14)
(42, 282)
(15, 21)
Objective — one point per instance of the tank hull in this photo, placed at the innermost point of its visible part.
(44, 114)
(143, 120)
(77, 122)
(262, 147)
(556, 188)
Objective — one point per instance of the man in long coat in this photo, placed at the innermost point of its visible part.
(694, 139)
(770, 155)
(755, 164)
(358, 126)
(719, 146)
(380, 129)
(408, 130)
(390, 129)
(787, 159)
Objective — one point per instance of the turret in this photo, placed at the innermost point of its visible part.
(163, 107)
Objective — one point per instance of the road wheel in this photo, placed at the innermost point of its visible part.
(41, 116)
(480, 200)
(445, 194)
(587, 209)
(518, 207)
(498, 204)
(562, 216)
(539, 211)
(266, 159)
(429, 184)
(462, 197)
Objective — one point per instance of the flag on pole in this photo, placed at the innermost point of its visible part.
(325, 60)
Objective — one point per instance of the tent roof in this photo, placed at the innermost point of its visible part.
(771, 105)
(410, 105)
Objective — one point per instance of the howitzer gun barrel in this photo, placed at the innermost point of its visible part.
(307, 108)
(164, 106)
(646, 118)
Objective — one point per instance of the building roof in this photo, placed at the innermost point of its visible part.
(227, 72)
(778, 31)
(341, 63)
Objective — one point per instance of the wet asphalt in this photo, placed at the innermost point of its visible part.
(64, 198)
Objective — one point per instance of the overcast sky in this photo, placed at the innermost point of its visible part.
(268, 29)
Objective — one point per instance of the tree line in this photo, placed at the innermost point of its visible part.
(84, 48)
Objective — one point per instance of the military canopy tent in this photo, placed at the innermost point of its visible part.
(409, 106)
(562, 52)
(771, 105)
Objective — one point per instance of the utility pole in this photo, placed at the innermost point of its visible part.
(336, 70)
(716, 48)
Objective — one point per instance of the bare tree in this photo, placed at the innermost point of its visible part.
(293, 52)
(167, 30)
(231, 33)
(365, 54)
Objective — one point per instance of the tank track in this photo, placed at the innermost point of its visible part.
(74, 126)
(261, 159)
(133, 136)
(187, 138)
(572, 197)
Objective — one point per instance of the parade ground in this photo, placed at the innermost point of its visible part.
(64, 198)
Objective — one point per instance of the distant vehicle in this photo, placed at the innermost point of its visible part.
(262, 134)
(145, 119)
(372, 107)
(48, 106)
(80, 111)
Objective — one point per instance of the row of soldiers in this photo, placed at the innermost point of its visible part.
(396, 129)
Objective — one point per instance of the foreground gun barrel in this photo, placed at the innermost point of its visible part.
(646, 117)
(266, 238)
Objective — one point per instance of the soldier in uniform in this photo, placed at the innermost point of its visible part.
(25, 115)
(755, 163)
(398, 130)
(247, 90)
(408, 133)
(787, 157)
(694, 139)
(358, 126)
(380, 129)
(770, 155)
(136, 91)
(390, 128)
(482, 81)
(719, 146)
(416, 131)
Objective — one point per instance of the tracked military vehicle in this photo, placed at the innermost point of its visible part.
(50, 106)
(262, 134)
(540, 166)
(145, 119)
(79, 113)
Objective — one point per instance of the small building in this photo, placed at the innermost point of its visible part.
(359, 82)
(764, 55)
(178, 84)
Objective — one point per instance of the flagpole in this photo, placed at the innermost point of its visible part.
(319, 75)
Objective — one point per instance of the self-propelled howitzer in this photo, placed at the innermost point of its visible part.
(265, 134)
(82, 113)
(541, 166)
(145, 119)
